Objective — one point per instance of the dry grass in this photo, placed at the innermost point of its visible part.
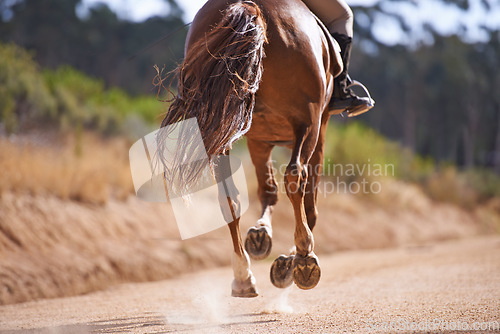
(90, 170)
(448, 186)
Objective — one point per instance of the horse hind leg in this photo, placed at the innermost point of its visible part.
(244, 282)
(306, 269)
(302, 269)
(305, 264)
(258, 242)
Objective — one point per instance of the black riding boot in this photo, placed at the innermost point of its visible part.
(343, 98)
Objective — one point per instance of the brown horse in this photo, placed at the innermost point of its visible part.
(263, 68)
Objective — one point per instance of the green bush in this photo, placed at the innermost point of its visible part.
(354, 146)
(23, 93)
(484, 181)
(83, 100)
(65, 97)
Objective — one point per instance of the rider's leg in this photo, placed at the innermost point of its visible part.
(343, 97)
(335, 14)
(338, 18)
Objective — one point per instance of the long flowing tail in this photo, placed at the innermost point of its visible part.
(217, 82)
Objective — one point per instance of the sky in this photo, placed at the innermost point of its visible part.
(140, 10)
(446, 19)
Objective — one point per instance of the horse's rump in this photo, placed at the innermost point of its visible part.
(217, 82)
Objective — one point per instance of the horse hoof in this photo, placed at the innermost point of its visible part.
(245, 289)
(306, 271)
(258, 243)
(281, 272)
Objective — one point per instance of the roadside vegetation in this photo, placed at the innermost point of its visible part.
(374, 156)
(65, 99)
(64, 133)
(81, 154)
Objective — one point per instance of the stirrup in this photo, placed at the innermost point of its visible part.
(368, 106)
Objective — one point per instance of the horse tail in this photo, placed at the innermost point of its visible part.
(217, 82)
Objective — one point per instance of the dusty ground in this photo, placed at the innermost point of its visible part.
(54, 248)
(447, 284)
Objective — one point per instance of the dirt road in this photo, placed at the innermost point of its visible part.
(434, 288)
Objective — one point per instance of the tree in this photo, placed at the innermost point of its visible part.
(441, 98)
(100, 44)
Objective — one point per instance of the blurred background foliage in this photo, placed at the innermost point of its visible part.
(98, 44)
(438, 93)
(66, 99)
(437, 118)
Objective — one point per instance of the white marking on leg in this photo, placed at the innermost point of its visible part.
(241, 266)
(243, 277)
